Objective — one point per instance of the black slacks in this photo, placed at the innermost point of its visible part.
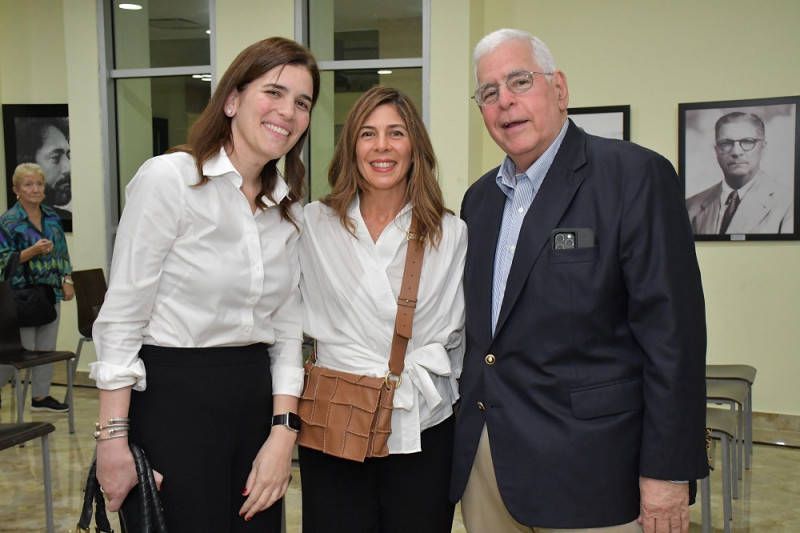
(401, 493)
(201, 421)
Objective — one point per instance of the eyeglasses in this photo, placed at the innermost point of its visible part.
(517, 83)
(726, 145)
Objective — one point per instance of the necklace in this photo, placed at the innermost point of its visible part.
(374, 231)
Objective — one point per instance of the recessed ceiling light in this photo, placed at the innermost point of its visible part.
(130, 7)
(384, 71)
(208, 32)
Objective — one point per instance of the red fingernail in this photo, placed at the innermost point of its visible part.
(247, 518)
(244, 492)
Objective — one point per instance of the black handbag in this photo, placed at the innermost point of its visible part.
(141, 512)
(36, 303)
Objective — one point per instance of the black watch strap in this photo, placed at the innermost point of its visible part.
(290, 420)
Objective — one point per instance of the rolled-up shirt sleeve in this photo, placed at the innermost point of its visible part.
(147, 230)
(286, 354)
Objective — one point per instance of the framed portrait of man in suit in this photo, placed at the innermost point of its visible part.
(39, 133)
(739, 162)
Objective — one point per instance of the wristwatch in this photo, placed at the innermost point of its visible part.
(290, 420)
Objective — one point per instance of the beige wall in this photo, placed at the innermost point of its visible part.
(651, 55)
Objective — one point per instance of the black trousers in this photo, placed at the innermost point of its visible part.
(401, 493)
(201, 421)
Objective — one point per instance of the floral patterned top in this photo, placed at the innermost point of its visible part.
(17, 232)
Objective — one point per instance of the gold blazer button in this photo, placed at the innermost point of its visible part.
(490, 359)
(481, 406)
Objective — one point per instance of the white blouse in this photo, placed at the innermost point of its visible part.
(195, 267)
(349, 288)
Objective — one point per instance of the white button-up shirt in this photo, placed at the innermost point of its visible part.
(193, 266)
(350, 286)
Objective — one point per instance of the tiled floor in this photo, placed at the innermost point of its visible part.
(769, 502)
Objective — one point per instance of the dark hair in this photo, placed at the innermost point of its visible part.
(738, 116)
(31, 134)
(422, 189)
(213, 128)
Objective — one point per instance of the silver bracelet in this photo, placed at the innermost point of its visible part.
(97, 425)
(111, 437)
(115, 425)
(111, 431)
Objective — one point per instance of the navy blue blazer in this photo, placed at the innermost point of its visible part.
(599, 353)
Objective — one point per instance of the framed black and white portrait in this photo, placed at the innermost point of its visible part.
(613, 121)
(738, 161)
(39, 133)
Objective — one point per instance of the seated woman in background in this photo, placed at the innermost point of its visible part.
(352, 255)
(34, 230)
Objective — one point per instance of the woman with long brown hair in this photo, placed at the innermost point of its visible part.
(352, 255)
(199, 338)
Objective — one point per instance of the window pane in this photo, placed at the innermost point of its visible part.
(164, 33)
(365, 29)
(339, 91)
(154, 114)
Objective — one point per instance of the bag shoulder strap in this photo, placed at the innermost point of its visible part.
(407, 301)
(93, 495)
(152, 514)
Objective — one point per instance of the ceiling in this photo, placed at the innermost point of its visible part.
(189, 19)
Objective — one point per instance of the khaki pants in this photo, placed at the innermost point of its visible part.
(483, 510)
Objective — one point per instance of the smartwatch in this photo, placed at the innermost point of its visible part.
(290, 420)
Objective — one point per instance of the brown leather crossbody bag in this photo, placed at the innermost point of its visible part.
(350, 415)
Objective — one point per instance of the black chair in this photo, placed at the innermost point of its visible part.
(13, 353)
(16, 434)
(90, 291)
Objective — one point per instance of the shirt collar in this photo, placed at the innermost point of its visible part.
(741, 191)
(354, 211)
(47, 211)
(507, 177)
(220, 166)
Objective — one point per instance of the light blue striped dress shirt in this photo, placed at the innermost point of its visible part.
(520, 190)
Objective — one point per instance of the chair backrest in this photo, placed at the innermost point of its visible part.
(10, 341)
(90, 291)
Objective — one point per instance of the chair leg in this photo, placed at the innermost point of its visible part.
(734, 450)
(705, 494)
(21, 393)
(75, 365)
(727, 480)
(69, 397)
(740, 445)
(748, 423)
(48, 486)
